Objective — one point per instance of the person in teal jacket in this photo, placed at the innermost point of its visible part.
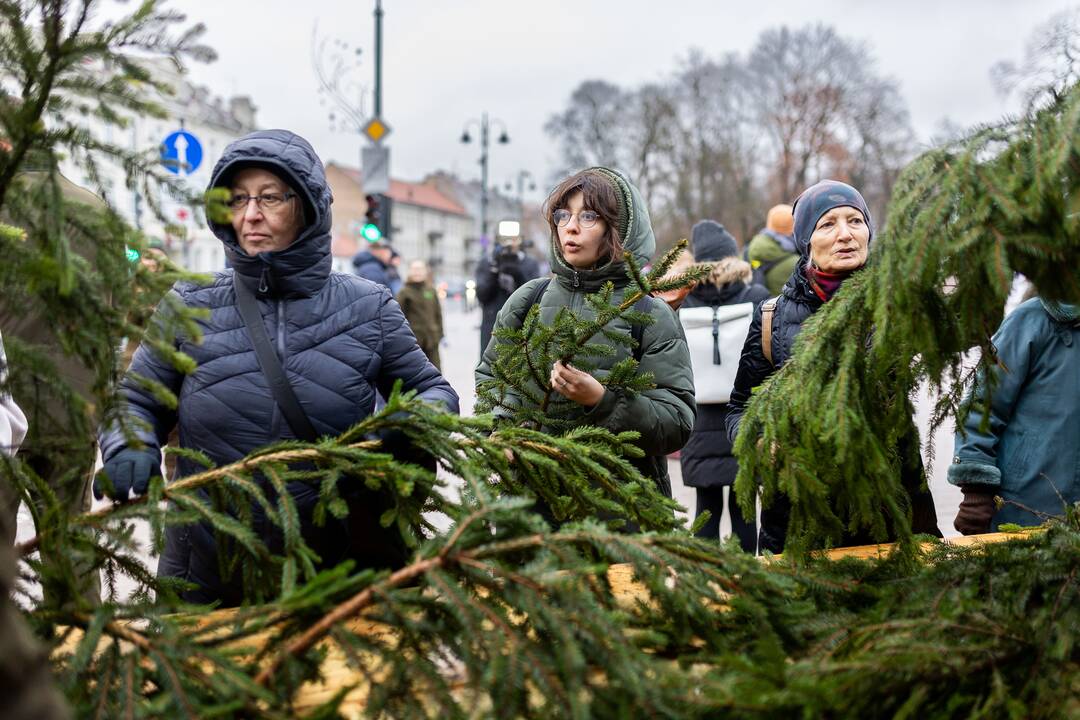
(1029, 455)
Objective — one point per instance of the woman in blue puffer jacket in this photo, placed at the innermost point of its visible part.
(341, 340)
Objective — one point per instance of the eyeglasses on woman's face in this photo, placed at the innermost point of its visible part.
(266, 201)
(585, 218)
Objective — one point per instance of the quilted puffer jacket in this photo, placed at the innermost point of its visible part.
(341, 340)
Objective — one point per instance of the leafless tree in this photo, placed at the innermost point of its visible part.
(726, 137)
(590, 130)
(1051, 61)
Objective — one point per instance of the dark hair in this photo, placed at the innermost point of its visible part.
(599, 195)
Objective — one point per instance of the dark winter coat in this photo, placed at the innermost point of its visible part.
(371, 268)
(664, 415)
(420, 303)
(706, 459)
(491, 294)
(340, 338)
(1030, 451)
(798, 302)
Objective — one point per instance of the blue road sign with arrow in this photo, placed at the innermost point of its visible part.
(181, 153)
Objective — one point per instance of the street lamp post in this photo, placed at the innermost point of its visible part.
(521, 177)
(485, 131)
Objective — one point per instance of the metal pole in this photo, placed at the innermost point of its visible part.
(521, 194)
(378, 58)
(483, 175)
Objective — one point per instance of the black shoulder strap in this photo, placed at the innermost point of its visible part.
(534, 297)
(537, 293)
(282, 389)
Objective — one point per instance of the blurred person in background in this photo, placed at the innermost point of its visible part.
(420, 303)
(497, 277)
(772, 253)
(393, 274)
(707, 463)
(375, 264)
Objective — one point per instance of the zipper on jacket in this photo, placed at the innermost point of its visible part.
(279, 336)
(263, 280)
(281, 331)
(577, 282)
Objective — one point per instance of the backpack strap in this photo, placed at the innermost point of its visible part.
(767, 309)
(535, 296)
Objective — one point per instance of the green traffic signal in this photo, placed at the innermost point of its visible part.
(132, 254)
(371, 232)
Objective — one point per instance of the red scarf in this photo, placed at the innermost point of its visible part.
(824, 284)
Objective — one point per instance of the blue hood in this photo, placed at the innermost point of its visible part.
(301, 269)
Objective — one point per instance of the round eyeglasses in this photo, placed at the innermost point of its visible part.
(267, 201)
(585, 218)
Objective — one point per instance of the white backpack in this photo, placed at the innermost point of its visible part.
(715, 336)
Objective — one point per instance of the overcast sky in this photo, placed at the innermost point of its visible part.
(447, 61)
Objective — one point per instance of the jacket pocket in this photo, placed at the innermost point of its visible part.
(1014, 456)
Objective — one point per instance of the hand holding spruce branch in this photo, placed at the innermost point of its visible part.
(576, 385)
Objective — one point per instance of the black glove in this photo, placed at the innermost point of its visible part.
(127, 470)
(976, 510)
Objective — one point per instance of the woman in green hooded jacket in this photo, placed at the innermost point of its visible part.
(597, 217)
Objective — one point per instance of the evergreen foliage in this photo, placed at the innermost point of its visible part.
(498, 615)
(963, 219)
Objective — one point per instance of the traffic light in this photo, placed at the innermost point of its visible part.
(377, 218)
(371, 230)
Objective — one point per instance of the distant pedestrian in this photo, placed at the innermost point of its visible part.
(374, 263)
(1029, 452)
(393, 274)
(707, 463)
(508, 268)
(420, 303)
(772, 253)
(833, 231)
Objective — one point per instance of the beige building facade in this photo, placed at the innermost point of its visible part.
(427, 224)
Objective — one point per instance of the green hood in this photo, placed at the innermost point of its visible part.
(639, 241)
